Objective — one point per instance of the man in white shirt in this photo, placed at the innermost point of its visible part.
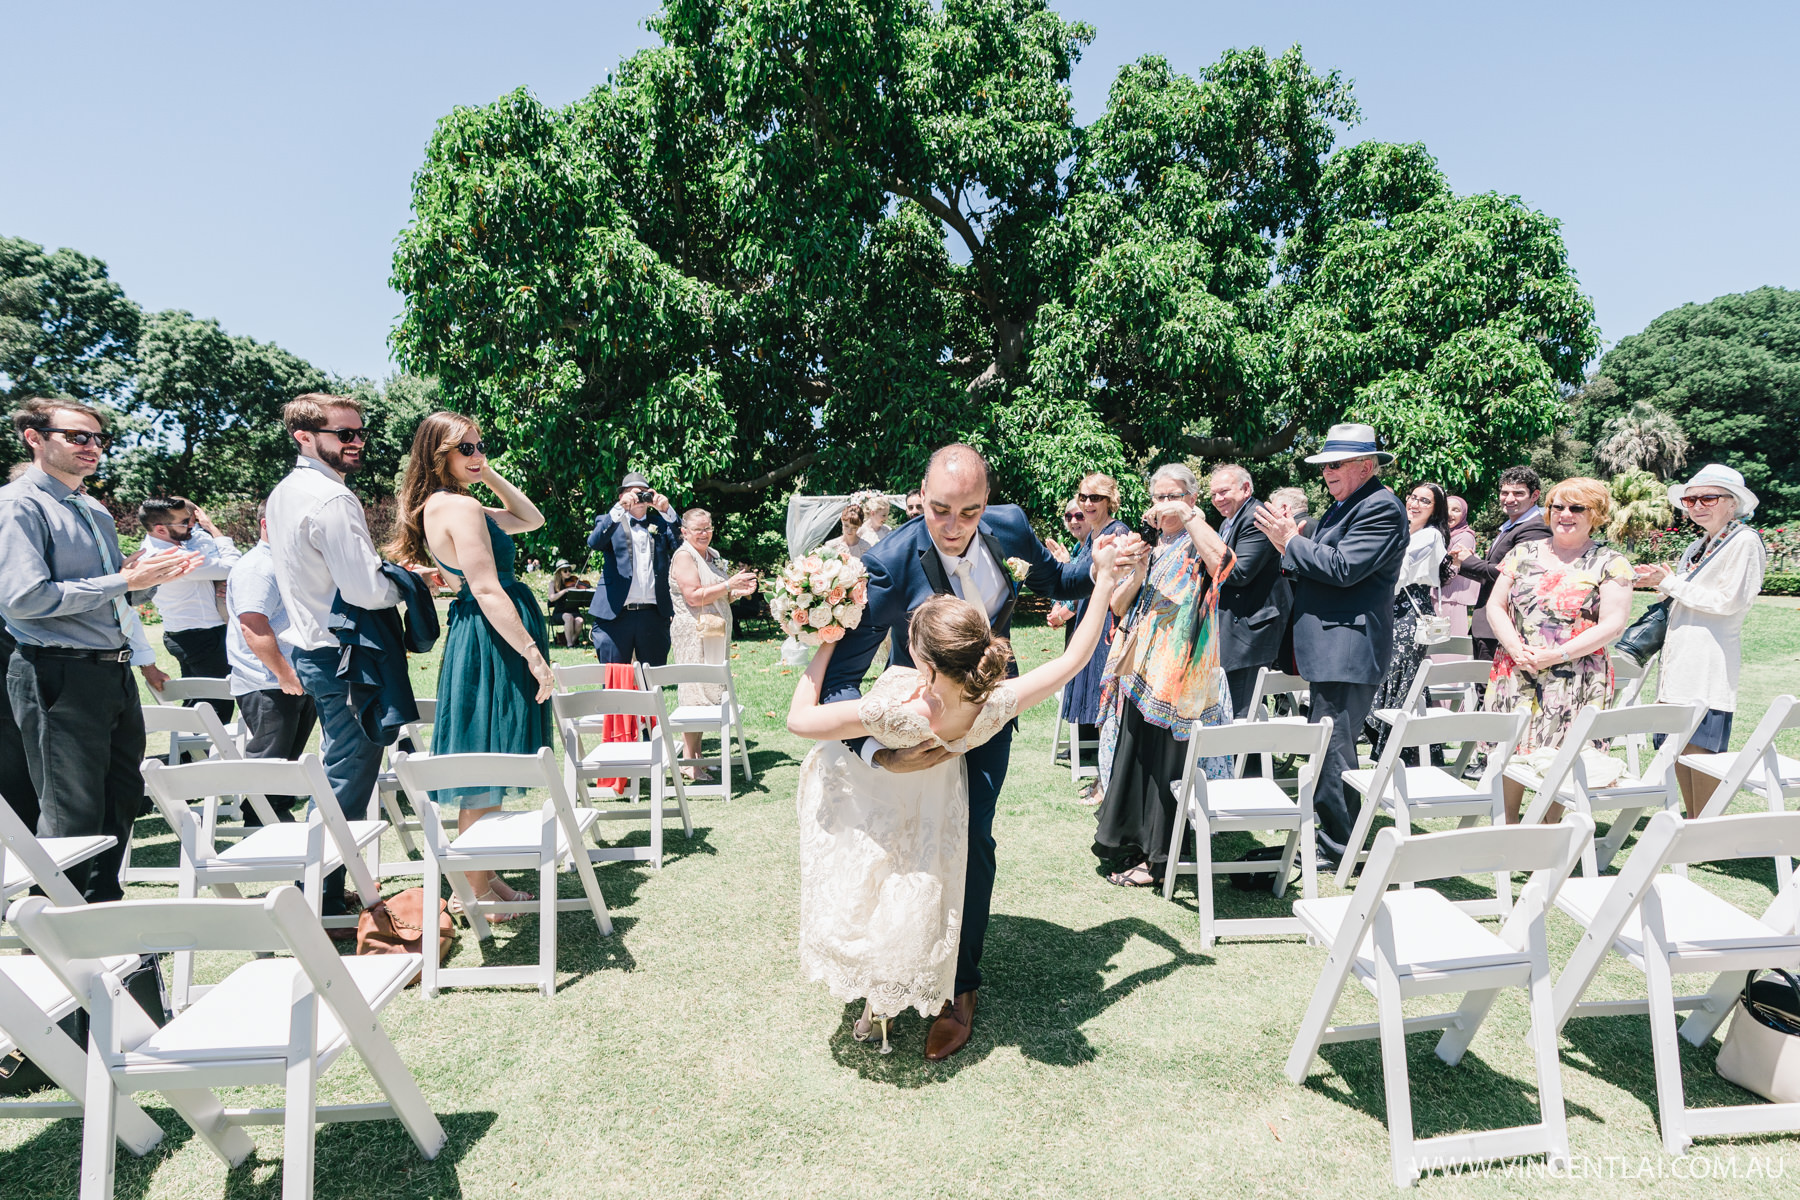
(637, 539)
(321, 544)
(277, 711)
(193, 630)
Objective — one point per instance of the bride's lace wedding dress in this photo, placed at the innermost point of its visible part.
(883, 854)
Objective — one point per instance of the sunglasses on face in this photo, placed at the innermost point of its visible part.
(81, 437)
(1087, 499)
(1705, 501)
(347, 435)
(1569, 508)
(471, 449)
(1074, 516)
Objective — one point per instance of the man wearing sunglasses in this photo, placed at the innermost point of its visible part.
(322, 548)
(65, 593)
(193, 627)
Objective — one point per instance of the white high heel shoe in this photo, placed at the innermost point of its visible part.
(864, 1029)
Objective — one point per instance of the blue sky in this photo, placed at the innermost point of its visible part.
(253, 162)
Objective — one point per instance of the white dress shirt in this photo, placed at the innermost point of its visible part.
(191, 602)
(322, 547)
(252, 590)
(643, 558)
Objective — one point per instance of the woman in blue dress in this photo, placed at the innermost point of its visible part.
(1096, 500)
(493, 693)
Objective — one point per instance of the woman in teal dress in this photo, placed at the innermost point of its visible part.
(494, 683)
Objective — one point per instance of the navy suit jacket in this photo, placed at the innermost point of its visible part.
(612, 537)
(1254, 599)
(1343, 577)
(905, 571)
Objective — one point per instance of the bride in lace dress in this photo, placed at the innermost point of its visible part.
(882, 853)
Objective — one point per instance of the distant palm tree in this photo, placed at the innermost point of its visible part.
(1643, 438)
(1640, 504)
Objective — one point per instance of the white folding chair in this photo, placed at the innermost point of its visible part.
(1212, 806)
(723, 720)
(1665, 925)
(1454, 646)
(1756, 768)
(188, 729)
(273, 1021)
(387, 788)
(540, 839)
(1067, 745)
(1566, 780)
(32, 999)
(582, 714)
(1628, 685)
(1414, 942)
(1269, 686)
(276, 853)
(1413, 794)
(190, 692)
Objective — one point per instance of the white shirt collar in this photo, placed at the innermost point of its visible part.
(306, 460)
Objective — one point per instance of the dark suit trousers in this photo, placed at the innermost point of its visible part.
(1348, 705)
(987, 775)
(640, 632)
(82, 726)
(201, 654)
(16, 787)
(280, 726)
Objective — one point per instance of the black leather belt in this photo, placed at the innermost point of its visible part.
(33, 653)
(639, 607)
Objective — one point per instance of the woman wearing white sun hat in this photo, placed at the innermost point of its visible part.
(1710, 590)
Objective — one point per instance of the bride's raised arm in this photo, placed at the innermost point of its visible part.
(1041, 682)
(808, 718)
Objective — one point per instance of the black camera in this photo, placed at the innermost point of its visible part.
(645, 495)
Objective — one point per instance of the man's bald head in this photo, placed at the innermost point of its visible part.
(956, 493)
(960, 465)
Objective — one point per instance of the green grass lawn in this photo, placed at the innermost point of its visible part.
(686, 1056)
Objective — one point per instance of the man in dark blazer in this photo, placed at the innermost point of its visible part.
(1343, 575)
(1519, 487)
(637, 540)
(959, 544)
(1255, 597)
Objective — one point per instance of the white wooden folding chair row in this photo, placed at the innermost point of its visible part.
(724, 720)
(33, 1000)
(277, 853)
(1628, 685)
(191, 691)
(1271, 684)
(1454, 686)
(1666, 925)
(1413, 794)
(274, 1021)
(1067, 745)
(1414, 942)
(1214, 806)
(195, 728)
(387, 788)
(1566, 780)
(581, 715)
(541, 839)
(1758, 767)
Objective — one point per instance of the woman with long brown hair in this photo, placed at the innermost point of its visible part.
(494, 683)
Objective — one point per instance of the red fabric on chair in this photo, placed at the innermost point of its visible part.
(619, 728)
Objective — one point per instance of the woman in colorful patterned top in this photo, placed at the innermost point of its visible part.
(1555, 608)
(1161, 679)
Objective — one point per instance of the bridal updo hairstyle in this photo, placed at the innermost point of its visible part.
(427, 471)
(952, 636)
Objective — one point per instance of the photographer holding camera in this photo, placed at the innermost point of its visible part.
(637, 539)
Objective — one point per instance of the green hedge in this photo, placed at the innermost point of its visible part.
(1778, 583)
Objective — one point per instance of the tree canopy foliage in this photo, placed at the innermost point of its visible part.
(1728, 372)
(812, 240)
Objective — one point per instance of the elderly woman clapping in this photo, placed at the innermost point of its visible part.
(1555, 608)
(1710, 591)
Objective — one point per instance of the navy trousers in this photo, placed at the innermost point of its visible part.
(639, 632)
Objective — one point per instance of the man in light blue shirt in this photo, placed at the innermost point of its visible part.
(277, 711)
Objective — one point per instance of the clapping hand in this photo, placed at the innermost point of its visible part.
(143, 570)
(1278, 528)
(1153, 516)
(1060, 615)
(1649, 574)
(742, 584)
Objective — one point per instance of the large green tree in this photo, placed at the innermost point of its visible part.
(812, 239)
(1728, 372)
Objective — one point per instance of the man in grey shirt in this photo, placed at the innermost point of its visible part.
(63, 595)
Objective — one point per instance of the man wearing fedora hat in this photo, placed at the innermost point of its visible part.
(1343, 573)
(636, 538)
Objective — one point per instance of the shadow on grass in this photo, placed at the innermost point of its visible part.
(356, 1158)
(1445, 1099)
(1043, 982)
(1617, 1050)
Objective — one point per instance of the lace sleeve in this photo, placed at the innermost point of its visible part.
(884, 712)
(1000, 708)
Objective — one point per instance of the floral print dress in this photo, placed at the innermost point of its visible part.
(1551, 603)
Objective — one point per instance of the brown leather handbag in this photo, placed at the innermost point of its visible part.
(396, 925)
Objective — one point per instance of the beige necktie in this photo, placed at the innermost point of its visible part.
(971, 591)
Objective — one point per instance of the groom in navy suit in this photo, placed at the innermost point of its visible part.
(960, 545)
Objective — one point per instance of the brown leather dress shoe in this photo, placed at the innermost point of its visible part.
(950, 1032)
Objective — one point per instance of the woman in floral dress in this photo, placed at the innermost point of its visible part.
(1556, 607)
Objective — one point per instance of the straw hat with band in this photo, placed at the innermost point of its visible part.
(1349, 441)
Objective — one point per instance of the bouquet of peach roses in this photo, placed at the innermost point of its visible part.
(820, 596)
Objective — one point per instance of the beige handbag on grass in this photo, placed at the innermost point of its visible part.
(1761, 1052)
